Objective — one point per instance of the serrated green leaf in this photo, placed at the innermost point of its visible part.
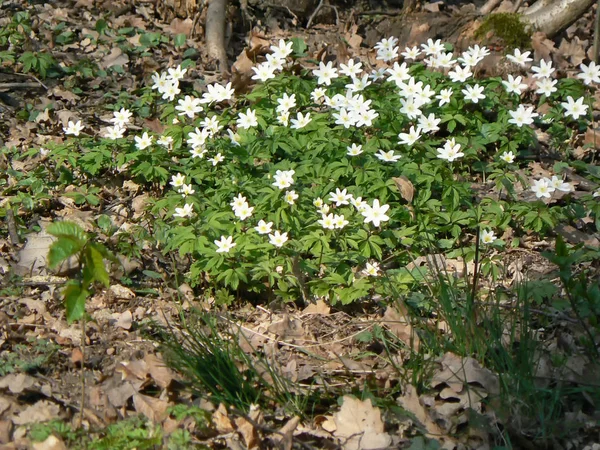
(75, 296)
(99, 272)
(68, 229)
(63, 249)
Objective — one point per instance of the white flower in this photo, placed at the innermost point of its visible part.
(278, 239)
(318, 94)
(358, 203)
(171, 89)
(186, 211)
(444, 59)
(283, 50)
(73, 128)
(212, 125)
(519, 58)
(460, 74)
(121, 118)
(522, 116)
(263, 72)
(358, 84)
(542, 188)
(160, 81)
(263, 227)
(410, 108)
(545, 86)
(198, 152)
(351, 69)
(429, 123)
(589, 74)
(177, 73)
(143, 142)
(377, 74)
(508, 157)
(398, 73)
(558, 184)
(238, 202)
(234, 137)
(247, 120)
(344, 118)
(514, 85)
(371, 269)
(487, 236)
(410, 89)
(545, 69)
(186, 190)
(433, 48)
(376, 213)
(290, 197)
(573, 108)
(217, 93)
(411, 137)
(354, 150)
(411, 52)
(274, 62)
(177, 180)
(216, 159)
(165, 141)
(318, 202)
(189, 106)
(283, 178)
(327, 221)
(387, 156)
(300, 121)
(444, 96)
(325, 73)
(115, 132)
(44, 152)
(339, 221)
(244, 211)
(450, 151)
(225, 244)
(340, 197)
(284, 118)
(286, 102)
(473, 93)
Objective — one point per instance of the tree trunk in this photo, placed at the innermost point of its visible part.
(556, 16)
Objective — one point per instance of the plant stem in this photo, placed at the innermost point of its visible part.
(81, 411)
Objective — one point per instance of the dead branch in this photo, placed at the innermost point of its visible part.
(489, 6)
(555, 17)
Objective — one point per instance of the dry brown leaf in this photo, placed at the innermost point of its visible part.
(359, 425)
(222, 421)
(133, 370)
(572, 51)
(410, 402)
(17, 382)
(51, 443)
(284, 438)
(542, 46)
(406, 188)
(457, 371)
(32, 257)
(159, 372)
(397, 323)
(154, 409)
(320, 307)
(6, 428)
(120, 395)
(116, 57)
(123, 320)
(41, 411)
(247, 429)
(287, 327)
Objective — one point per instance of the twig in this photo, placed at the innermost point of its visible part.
(6, 86)
(596, 50)
(12, 227)
(380, 12)
(321, 5)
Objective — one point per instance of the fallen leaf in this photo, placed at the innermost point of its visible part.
(222, 421)
(406, 188)
(159, 372)
(154, 409)
(410, 402)
(41, 411)
(17, 382)
(32, 257)
(123, 320)
(457, 371)
(6, 428)
(542, 46)
(116, 57)
(398, 324)
(284, 437)
(51, 443)
(320, 307)
(359, 425)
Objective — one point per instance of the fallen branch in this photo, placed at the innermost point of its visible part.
(215, 33)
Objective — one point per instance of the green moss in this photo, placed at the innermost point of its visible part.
(508, 27)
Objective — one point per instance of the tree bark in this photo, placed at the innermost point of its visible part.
(555, 17)
(215, 33)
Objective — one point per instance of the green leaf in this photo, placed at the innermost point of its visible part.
(62, 250)
(99, 272)
(68, 229)
(75, 296)
(179, 40)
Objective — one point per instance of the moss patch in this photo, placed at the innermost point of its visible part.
(508, 27)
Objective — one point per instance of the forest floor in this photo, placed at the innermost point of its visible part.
(66, 61)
